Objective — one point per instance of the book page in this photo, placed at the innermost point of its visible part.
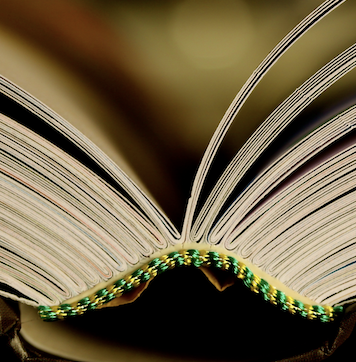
(267, 132)
(63, 93)
(63, 229)
(60, 90)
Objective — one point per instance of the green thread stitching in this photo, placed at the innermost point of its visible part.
(195, 258)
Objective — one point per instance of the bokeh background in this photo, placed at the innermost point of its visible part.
(157, 76)
(153, 78)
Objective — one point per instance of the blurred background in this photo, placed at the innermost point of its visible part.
(162, 73)
(151, 79)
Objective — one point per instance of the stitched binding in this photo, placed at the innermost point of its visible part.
(194, 258)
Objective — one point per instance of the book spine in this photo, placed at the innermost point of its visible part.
(193, 258)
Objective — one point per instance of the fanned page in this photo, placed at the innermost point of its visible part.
(229, 226)
(71, 152)
(77, 232)
(87, 222)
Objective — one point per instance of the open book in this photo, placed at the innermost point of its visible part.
(77, 232)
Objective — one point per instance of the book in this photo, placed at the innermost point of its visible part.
(78, 233)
